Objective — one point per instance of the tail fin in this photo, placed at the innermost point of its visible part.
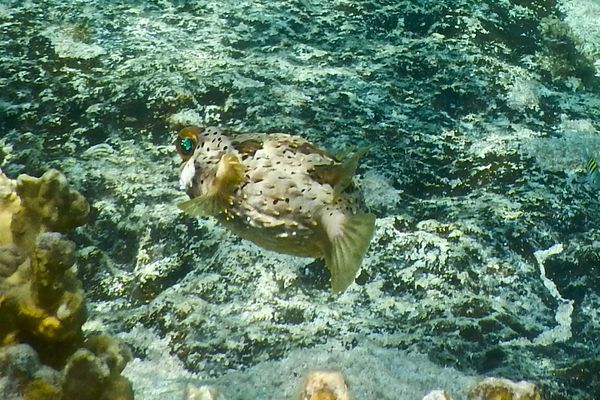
(347, 247)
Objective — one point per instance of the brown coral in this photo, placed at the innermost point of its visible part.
(47, 204)
(9, 205)
(93, 372)
(42, 301)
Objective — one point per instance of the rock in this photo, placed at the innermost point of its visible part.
(324, 385)
(202, 393)
(437, 395)
(504, 389)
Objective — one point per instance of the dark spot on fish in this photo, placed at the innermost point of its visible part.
(225, 147)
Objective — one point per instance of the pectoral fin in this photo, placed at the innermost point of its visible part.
(230, 173)
(217, 198)
(347, 244)
(202, 206)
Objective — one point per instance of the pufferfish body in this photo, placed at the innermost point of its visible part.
(279, 191)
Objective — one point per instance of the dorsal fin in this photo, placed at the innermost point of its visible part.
(339, 176)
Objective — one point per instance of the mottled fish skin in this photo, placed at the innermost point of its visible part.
(290, 196)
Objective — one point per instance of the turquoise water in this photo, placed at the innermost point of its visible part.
(481, 117)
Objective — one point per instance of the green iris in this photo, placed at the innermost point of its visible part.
(186, 144)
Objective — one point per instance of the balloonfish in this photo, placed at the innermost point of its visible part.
(279, 191)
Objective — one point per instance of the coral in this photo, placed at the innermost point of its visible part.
(93, 372)
(10, 259)
(42, 301)
(9, 205)
(39, 389)
(47, 204)
(25, 375)
(42, 304)
(504, 389)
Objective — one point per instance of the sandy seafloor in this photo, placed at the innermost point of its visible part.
(481, 116)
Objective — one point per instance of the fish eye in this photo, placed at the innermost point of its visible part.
(186, 142)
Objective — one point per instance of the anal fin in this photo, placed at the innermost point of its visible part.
(346, 249)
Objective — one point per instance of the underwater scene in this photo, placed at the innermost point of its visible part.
(301, 199)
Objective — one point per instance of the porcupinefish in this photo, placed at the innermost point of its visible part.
(279, 191)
